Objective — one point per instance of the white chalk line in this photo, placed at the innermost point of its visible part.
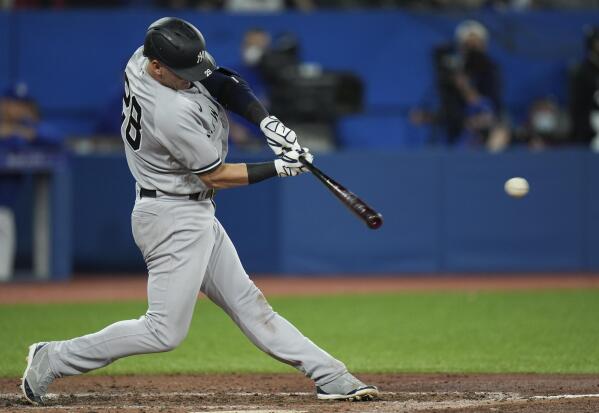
(564, 396)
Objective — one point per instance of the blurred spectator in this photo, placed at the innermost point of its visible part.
(189, 4)
(255, 44)
(30, 4)
(468, 86)
(479, 113)
(21, 129)
(546, 125)
(20, 124)
(502, 5)
(565, 4)
(267, 5)
(310, 96)
(584, 93)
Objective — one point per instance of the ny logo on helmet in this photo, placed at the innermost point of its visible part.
(200, 56)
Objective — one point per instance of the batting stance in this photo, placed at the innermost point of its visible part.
(175, 132)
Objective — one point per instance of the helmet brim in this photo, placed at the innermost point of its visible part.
(198, 72)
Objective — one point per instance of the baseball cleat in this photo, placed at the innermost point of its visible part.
(38, 375)
(346, 387)
(366, 393)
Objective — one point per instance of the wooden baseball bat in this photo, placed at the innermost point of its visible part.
(372, 218)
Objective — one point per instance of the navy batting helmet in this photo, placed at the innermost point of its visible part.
(180, 46)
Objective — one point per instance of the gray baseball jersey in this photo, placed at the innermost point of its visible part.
(170, 135)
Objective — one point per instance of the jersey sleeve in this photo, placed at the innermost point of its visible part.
(234, 94)
(184, 134)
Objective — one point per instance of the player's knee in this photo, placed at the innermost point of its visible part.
(168, 336)
(170, 339)
(172, 342)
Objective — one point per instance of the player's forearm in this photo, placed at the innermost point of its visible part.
(228, 175)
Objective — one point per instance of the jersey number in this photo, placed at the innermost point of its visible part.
(131, 118)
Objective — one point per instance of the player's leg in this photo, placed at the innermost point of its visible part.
(227, 284)
(176, 239)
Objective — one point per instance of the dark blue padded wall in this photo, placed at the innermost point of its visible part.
(321, 235)
(447, 211)
(103, 196)
(444, 212)
(485, 228)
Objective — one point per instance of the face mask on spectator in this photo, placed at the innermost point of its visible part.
(544, 122)
(252, 55)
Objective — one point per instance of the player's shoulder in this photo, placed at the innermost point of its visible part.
(174, 102)
(135, 62)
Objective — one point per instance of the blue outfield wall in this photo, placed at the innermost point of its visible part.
(444, 211)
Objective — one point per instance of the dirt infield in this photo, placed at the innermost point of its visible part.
(288, 393)
(85, 289)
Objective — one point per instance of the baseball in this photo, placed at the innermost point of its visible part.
(516, 187)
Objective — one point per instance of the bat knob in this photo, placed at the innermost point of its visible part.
(375, 221)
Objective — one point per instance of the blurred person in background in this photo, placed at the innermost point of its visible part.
(309, 95)
(546, 125)
(21, 129)
(467, 83)
(481, 126)
(267, 5)
(189, 4)
(255, 44)
(21, 126)
(584, 94)
(565, 4)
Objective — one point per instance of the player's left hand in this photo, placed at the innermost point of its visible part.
(278, 136)
(290, 165)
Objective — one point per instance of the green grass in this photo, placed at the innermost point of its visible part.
(550, 331)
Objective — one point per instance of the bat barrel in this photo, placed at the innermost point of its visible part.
(372, 218)
(374, 221)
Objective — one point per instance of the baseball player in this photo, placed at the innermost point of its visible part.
(175, 133)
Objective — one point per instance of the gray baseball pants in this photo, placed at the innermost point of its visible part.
(187, 251)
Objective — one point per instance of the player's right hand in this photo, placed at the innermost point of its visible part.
(289, 163)
(278, 136)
